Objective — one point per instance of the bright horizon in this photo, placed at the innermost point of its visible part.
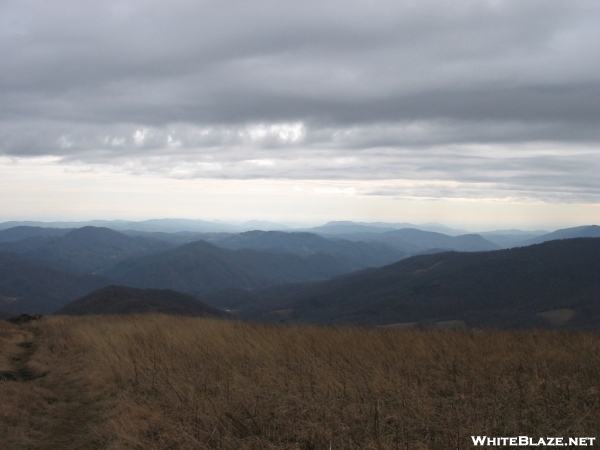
(95, 196)
(481, 115)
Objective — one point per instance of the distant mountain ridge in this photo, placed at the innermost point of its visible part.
(155, 225)
(412, 240)
(347, 227)
(502, 238)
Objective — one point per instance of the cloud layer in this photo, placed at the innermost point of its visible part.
(499, 97)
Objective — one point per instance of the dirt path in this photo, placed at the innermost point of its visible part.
(68, 411)
(18, 355)
(24, 373)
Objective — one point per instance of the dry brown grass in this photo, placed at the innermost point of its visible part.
(11, 337)
(157, 382)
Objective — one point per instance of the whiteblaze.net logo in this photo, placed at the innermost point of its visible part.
(486, 441)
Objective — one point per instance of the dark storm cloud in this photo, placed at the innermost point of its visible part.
(353, 89)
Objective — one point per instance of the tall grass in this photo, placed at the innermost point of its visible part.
(184, 383)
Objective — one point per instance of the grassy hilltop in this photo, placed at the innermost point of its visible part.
(159, 382)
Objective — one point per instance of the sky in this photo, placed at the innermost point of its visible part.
(481, 114)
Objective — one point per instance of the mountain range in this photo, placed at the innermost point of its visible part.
(348, 227)
(203, 226)
(22, 232)
(353, 255)
(156, 225)
(138, 261)
(201, 267)
(82, 250)
(503, 288)
(261, 272)
(185, 230)
(412, 240)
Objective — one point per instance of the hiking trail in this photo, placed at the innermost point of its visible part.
(71, 412)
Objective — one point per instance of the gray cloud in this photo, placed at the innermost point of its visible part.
(317, 90)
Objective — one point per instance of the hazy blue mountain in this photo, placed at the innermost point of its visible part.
(427, 240)
(510, 238)
(514, 232)
(24, 232)
(592, 231)
(84, 250)
(201, 267)
(152, 225)
(175, 225)
(411, 240)
(354, 255)
(520, 287)
(30, 244)
(126, 300)
(203, 226)
(345, 227)
(79, 224)
(27, 286)
(438, 228)
(200, 226)
(176, 238)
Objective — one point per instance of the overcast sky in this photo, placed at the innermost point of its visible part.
(472, 113)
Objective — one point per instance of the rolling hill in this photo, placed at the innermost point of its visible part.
(551, 283)
(125, 300)
(201, 267)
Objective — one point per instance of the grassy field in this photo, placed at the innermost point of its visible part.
(158, 382)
